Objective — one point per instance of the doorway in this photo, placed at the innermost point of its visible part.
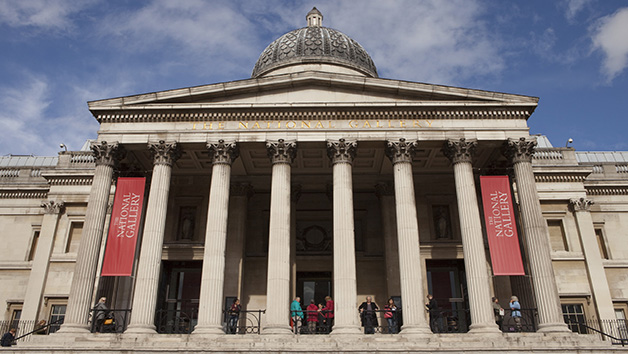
(314, 286)
(178, 297)
(446, 281)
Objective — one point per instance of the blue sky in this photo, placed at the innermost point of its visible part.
(57, 55)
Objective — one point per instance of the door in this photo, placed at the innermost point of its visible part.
(313, 286)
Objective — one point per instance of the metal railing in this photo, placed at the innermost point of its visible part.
(313, 322)
(38, 329)
(109, 321)
(527, 322)
(245, 322)
(176, 321)
(614, 330)
(449, 320)
(22, 328)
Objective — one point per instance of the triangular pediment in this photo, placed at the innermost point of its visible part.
(313, 89)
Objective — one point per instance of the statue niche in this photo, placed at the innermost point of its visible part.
(187, 223)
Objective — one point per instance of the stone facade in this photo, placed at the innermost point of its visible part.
(316, 180)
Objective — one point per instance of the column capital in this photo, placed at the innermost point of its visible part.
(52, 207)
(281, 151)
(401, 151)
(107, 154)
(241, 190)
(460, 150)
(580, 204)
(384, 189)
(341, 151)
(519, 150)
(165, 153)
(223, 153)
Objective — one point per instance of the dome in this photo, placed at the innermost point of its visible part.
(314, 44)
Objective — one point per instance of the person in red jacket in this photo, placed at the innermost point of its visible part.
(312, 317)
(328, 312)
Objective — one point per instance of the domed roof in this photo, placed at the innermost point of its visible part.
(312, 45)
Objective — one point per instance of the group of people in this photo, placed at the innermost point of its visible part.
(515, 313)
(319, 318)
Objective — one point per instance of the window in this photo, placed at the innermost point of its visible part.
(622, 325)
(573, 314)
(558, 240)
(74, 236)
(599, 235)
(31, 254)
(57, 313)
(15, 317)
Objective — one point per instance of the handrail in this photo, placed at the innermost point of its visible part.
(38, 329)
(622, 340)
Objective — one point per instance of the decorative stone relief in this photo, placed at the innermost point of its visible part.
(460, 150)
(165, 153)
(341, 151)
(519, 150)
(401, 151)
(581, 204)
(52, 207)
(384, 189)
(107, 154)
(295, 192)
(223, 153)
(241, 189)
(281, 151)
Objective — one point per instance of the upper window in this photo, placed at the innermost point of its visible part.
(558, 240)
(74, 237)
(31, 253)
(599, 235)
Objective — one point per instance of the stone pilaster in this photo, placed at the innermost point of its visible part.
(341, 154)
(149, 263)
(295, 194)
(281, 154)
(460, 152)
(410, 265)
(595, 267)
(386, 194)
(212, 278)
(41, 261)
(536, 238)
(79, 301)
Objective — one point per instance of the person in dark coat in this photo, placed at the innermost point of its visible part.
(432, 307)
(368, 315)
(100, 312)
(8, 338)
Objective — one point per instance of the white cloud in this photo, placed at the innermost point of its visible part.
(573, 7)
(43, 14)
(610, 35)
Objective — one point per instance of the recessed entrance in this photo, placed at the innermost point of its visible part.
(314, 285)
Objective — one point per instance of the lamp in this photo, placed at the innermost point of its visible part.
(62, 145)
(569, 141)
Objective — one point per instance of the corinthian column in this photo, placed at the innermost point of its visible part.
(149, 264)
(341, 153)
(41, 261)
(414, 322)
(105, 156)
(595, 268)
(281, 154)
(536, 238)
(212, 278)
(460, 153)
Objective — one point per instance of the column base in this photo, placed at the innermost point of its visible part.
(208, 329)
(277, 330)
(141, 329)
(73, 328)
(345, 330)
(416, 331)
(483, 328)
(554, 328)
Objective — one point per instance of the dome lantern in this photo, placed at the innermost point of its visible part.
(314, 18)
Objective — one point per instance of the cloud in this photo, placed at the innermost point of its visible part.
(42, 14)
(573, 7)
(609, 36)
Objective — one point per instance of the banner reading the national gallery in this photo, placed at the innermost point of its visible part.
(124, 227)
(501, 227)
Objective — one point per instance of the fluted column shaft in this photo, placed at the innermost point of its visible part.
(41, 261)
(410, 265)
(212, 278)
(79, 300)
(460, 152)
(149, 263)
(236, 237)
(341, 153)
(278, 277)
(536, 237)
(595, 267)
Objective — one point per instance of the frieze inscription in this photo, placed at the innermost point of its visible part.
(314, 124)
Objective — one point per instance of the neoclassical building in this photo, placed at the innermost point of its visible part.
(316, 178)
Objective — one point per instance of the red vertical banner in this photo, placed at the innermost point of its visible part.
(124, 227)
(501, 227)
